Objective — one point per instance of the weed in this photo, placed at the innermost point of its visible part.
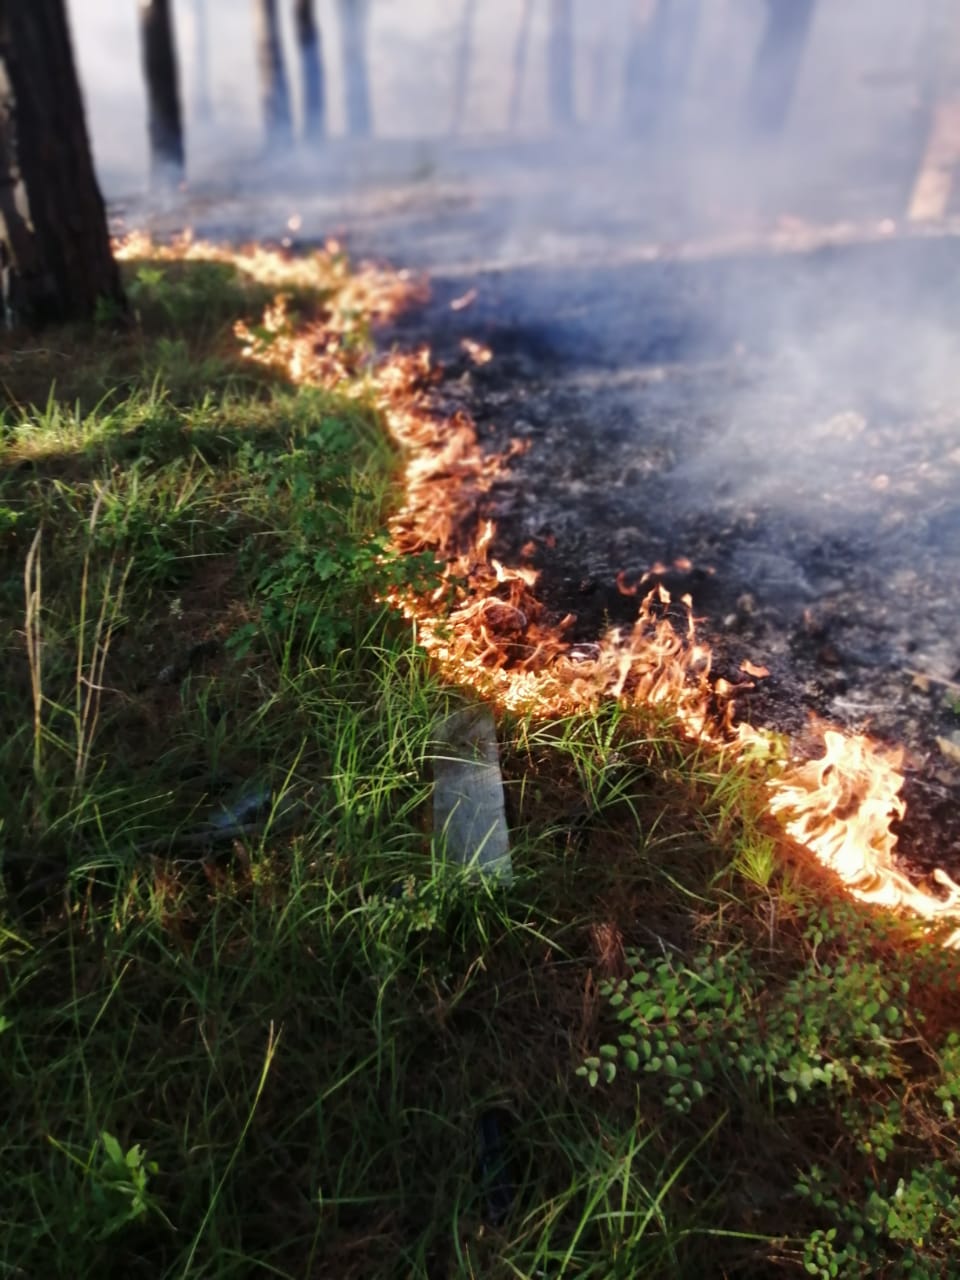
(114, 1190)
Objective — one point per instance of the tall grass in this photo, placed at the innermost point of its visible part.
(253, 1020)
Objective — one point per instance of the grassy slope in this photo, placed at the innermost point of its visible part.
(284, 1052)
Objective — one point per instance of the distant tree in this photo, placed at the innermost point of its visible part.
(54, 244)
(311, 67)
(560, 64)
(463, 64)
(274, 90)
(203, 104)
(519, 74)
(660, 48)
(644, 68)
(776, 68)
(354, 15)
(164, 115)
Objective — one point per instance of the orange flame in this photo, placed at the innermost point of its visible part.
(498, 636)
(841, 807)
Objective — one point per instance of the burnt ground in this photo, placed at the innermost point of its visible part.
(694, 378)
(791, 426)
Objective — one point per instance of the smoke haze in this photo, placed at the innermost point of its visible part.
(787, 292)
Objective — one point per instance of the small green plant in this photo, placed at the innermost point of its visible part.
(9, 519)
(116, 1187)
(899, 1227)
(321, 557)
(191, 297)
(719, 1016)
(948, 1090)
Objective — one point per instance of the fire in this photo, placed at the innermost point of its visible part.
(486, 625)
(841, 807)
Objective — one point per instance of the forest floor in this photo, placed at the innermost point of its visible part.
(254, 1022)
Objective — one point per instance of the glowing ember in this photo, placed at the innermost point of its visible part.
(497, 634)
(478, 352)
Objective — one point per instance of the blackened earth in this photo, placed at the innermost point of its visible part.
(787, 423)
(691, 387)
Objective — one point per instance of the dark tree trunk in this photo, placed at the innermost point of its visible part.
(776, 68)
(164, 117)
(659, 53)
(353, 34)
(311, 64)
(202, 101)
(274, 91)
(560, 64)
(56, 246)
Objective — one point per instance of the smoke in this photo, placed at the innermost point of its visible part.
(677, 150)
(659, 90)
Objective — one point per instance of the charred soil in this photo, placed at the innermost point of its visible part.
(777, 435)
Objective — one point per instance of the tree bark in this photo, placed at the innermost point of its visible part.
(560, 64)
(165, 119)
(274, 90)
(353, 34)
(311, 65)
(776, 68)
(56, 246)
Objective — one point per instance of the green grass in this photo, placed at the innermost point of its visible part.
(274, 1047)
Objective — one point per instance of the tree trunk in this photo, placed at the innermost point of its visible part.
(202, 100)
(164, 117)
(274, 91)
(353, 34)
(643, 87)
(461, 73)
(53, 225)
(519, 75)
(311, 64)
(560, 64)
(659, 52)
(776, 68)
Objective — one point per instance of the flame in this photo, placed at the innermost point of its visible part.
(841, 807)
(485, 624)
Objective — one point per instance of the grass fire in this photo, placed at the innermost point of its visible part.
(479, 786)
